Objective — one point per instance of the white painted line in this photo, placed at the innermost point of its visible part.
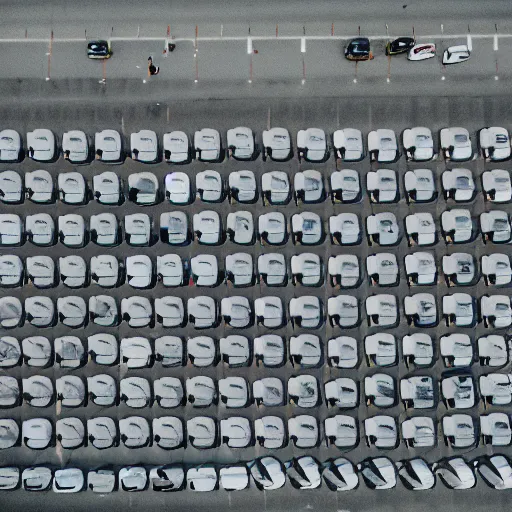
(470, 43)
(303, 45)
(249, 46)
(495, 43)
(346, 37)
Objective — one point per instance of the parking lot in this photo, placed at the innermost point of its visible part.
(259, 115)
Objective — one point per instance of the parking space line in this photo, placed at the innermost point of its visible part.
(50, 50)
(495, 48)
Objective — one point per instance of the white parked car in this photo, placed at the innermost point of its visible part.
(307, 228)
(341, 431)
(495, 429)
(37, 433)
(139, 271)
(495, 226)
(107, 188)
(419, 185)
(343, 311)
(10, 352)
(136, 352)
(459, 309)
(167, 478)
(272, 269)
(417, 392)
(304, 472)
(420, 268)
(459, 430)
(379, 390)
(72, 230)
(104, 229)
(101, 481)
(275, 188)
(458, 184)
(378, 473)
(380, 349)
(269, 432)
(341, 393)
(134, 432)
(456, 144)
(381, 432)
(169, 351)
(135, 392)
(339, 475)
(102, 389)
(303, 391)
(242, 187)
(39, 186)
(308, 186)
(41, 145)
(455, 473)
(133, 478)
(418, 144)
(168, 393)
(420, 309)
(204, 270)
(169, 269)
(306, 312)
(209, 186)
(38, 391)
(11, 229)
(269, 348)
(68, 480)
(456, 54)
(108, 146)
(40, 270)
(493, 350)
(11, 312)
(202, 432)
(240, 227)
(343, 270)
(11, 271)
(419, 432)
(456, 350)
(10, 146)
(312, 145)
(176, 147)
(103, 348)
(177, 188)
(207, 227)
(342, 352)
(382, 146)
(137, 311)
(39, 311)
(137, 229)
(382, 228)
(382, 310)
(277, 144)
(174, 228)
(73, 271)
(495, 470)
(202, 351)
(239, 269)
(233, 392)
(69, 351)
(496, 311)
(168, 432)
(496, 389)
(268, 392)
(75, 146)
(72, 311)
(457, 225)
(70, 432)
(104, 270)
(10, 392)
(143, 188)
(458, 391)
(495, 143)
(234, 477)
(382, 269)
(70, 390)
(496, 185)
(202, 312)
(38, 478)
(416, 474)
(268, 473)
(236, 312)
(345, 229)
(240, 143)
(382, 186)
(459, 268)
(144, 146)
(348, 144)
(272, 228)
(420, 229)
(207, 145)
(11, 187)
(234, 350)
(422, 51)
(303, 431)
(306, 269)
(345, 186)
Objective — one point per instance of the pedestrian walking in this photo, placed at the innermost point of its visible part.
(152, 69)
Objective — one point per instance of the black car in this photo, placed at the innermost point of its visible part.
(400, 45)
(99, 50)
(358, 49)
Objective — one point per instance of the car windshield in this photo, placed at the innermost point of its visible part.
(461, 138)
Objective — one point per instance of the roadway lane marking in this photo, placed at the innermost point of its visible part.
(303, 45)
(495, 43)
(195, 40)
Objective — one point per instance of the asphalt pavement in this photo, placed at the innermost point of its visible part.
(294, 114)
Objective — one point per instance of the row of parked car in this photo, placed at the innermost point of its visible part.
(306, 269)
(267, 473)
(305, 228)
(271, 350)
(276, 144)
(204, 312)
(380, 390)
(308, 187)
